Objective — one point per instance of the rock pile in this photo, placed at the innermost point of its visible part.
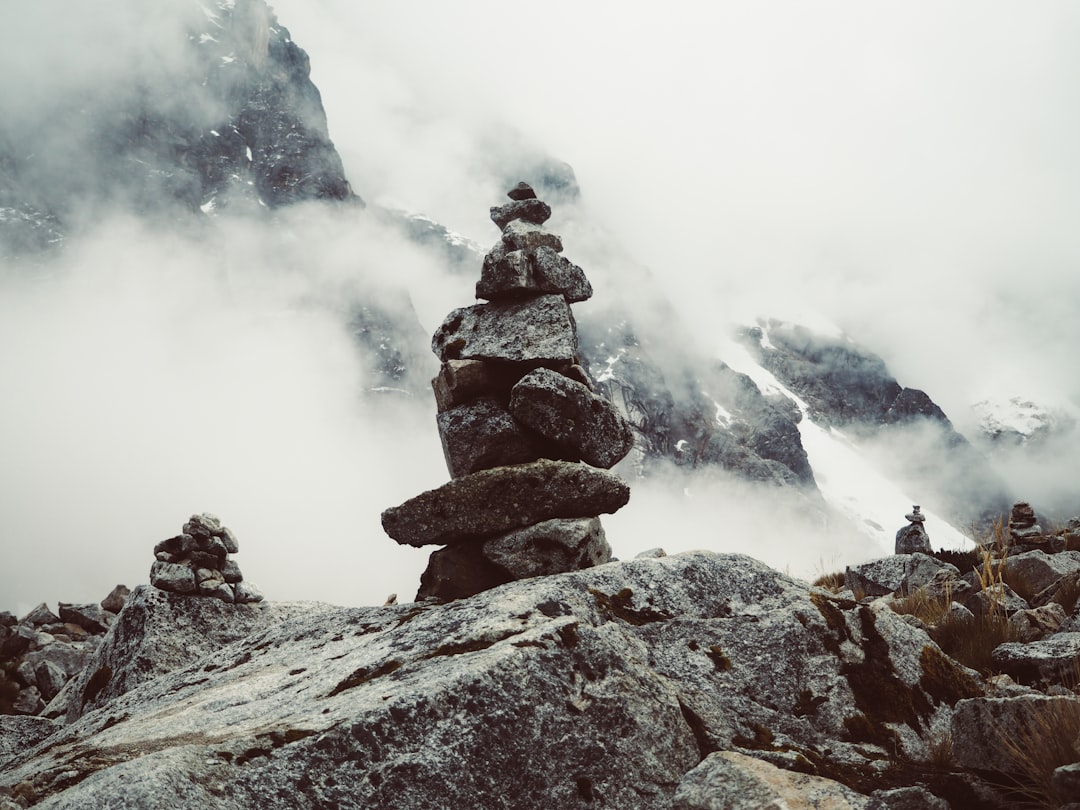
(517, 415)
(913, 537)
(42, 651)
(196, 563)
(1024, 528)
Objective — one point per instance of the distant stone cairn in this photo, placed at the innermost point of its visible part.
(913, 537)
(196, 563)
(527, 440)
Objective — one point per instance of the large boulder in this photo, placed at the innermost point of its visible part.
(19, 733)
(903, 574)
(537, 331)
(495, 501)
(1039, 570)
(158, 632)
(567, 413)
(1051, 660)
(912, 538)
(604, 686)
(993, 734)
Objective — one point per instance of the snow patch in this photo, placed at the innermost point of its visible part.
(204, 38)
(209, 206)
(228, 60)
(249, 154)
(609, 368)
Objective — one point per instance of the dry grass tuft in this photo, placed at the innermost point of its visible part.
(833, 582)
(923, 605)
(970, 640)
(1039, 745)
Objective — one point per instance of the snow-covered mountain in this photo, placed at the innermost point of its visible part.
(219, 147)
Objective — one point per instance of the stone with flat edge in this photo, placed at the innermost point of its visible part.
(482, 434)
(537, 330)
(499, 500)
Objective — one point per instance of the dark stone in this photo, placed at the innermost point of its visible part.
(91, 618)
(460, 381)
(114, 602)
(569, 414)
(7, 619)
(482, 434)
(228, 539)
(530, 210)
(1050, 660)
(231, 572)
(555, 273)
(40, 615)
(912, 538)
(550, 547)
(496, 501)
(458, 571)
(19, 641)
(522, 191)
(538, 331)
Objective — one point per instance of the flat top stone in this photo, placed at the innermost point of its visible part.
(522, 191)
(534, 330)
(500, 499)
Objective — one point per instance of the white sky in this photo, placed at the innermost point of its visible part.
(905, 170)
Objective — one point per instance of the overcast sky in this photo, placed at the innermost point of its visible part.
(905, 171)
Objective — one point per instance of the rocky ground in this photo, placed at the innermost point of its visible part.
(694, 681)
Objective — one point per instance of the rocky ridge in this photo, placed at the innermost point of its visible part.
(694, 681)
(525, 436)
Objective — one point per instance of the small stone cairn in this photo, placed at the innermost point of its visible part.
(1024, 529)
(913, 537)
(527, 440)
(196, 563)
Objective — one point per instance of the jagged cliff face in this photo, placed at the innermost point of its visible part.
(226, 117)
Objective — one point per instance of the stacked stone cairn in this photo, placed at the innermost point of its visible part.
(196, 563)
(1024, 528)
(913, 537)
(527, 440)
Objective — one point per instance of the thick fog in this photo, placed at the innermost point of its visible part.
(905, 172)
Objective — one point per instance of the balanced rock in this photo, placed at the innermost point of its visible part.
(530, 210)
(522, 191)
(913, 537)
(538, 331)
(495, 501)
(569, 414)
(550, 547)
(482, 434)
(460, 381)
(510, 274)
(1023, 525)
(522, 235)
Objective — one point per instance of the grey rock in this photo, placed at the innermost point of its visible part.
(158, 632)
(1035, 623)
(1050, 660)
(495, 501)
(114, 602)
(228, 539)
(727, 780)
(230, 572)
(916, 515)
(529, 210)
(569, 414)
(50, 678)
(522, 191)
(173, 577)
(1041, 570)
(247, 594)
(92, 617)
(612, 682)
(522, 235)
(28, 701)
(904, 573)
(205, 525)
(555, 273)
(1061, 590)
(980, 725)
(550, 547)
(39, 616)
(912, 538)
(482, 434)
(538, 330)
(217, 589)
(20, 639)
(906, 798)
(998, 597)
(650, 553)
(20, 733)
